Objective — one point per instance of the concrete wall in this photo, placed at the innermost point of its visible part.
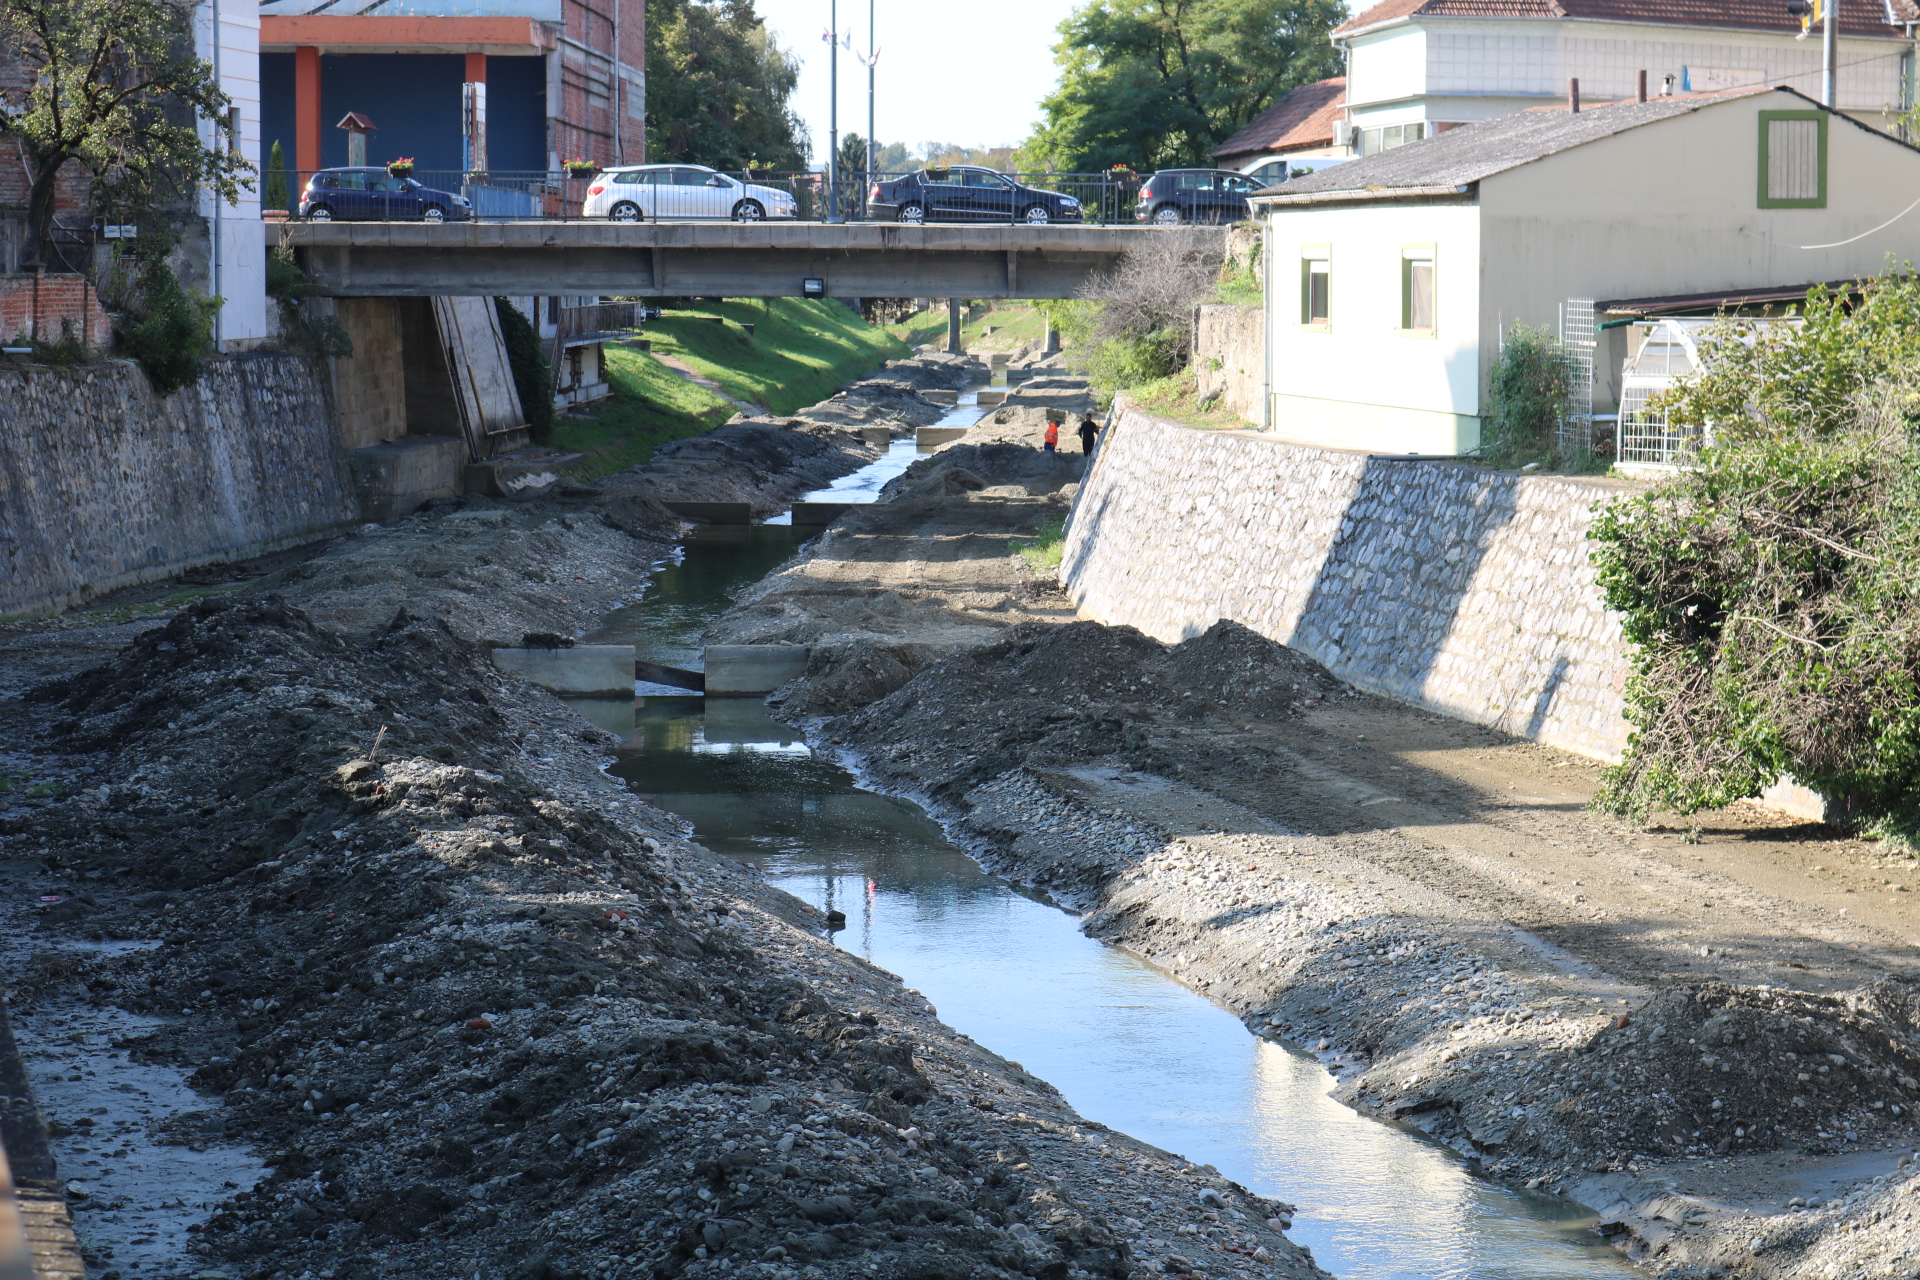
(1227, 356)
(370, 386)
(1448, 586)
(103, 485)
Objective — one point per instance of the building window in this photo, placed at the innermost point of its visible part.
(1373, 141)
(1416, 289)
(1793, 159)
(1316, 279)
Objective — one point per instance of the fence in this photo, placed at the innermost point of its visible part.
(672, 193)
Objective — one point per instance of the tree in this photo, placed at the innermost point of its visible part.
(1160, 83)
(719, 88)
(276, 195)
(113, 84)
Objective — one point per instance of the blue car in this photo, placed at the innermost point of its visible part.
(362, 195)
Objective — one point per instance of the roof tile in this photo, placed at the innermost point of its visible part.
(1304, 118)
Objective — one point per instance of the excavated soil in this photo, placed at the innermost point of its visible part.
(454, 1002)
(1708, 1035)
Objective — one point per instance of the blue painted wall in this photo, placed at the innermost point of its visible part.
(415, 99)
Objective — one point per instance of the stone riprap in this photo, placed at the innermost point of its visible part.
(1443, 584)
(104, 484)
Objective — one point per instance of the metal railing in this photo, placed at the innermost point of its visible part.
(600, 317)
(662, 195)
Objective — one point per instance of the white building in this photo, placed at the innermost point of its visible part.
(1392, 278)
(227, 35)
(1419, 67)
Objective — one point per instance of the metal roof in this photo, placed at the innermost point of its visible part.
(1462, 156)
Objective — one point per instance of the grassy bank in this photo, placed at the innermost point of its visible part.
(799, 354)
(1013, 323)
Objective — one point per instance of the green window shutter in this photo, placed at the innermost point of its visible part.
(1793, 160)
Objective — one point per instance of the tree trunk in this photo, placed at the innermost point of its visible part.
(40, 209)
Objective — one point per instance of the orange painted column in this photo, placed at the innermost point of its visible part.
(306, 110)
(476, 68)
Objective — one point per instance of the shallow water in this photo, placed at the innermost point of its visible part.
(1127, 1045)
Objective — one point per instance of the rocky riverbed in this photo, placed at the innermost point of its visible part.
(418, 990)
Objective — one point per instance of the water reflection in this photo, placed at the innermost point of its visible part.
(1125, 1044)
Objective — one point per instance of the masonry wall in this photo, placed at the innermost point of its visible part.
(103, 484)
(50, 306)
(1227, 355)
(1438, 583)
(370, 385)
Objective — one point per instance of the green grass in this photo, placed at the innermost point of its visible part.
(800, 352)
(1014, 324)
(1048, 544)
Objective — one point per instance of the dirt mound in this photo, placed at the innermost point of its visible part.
(993, 463)
(1051, 696)
(473, 1020)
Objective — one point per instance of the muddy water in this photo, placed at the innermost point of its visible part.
(1125, 1044)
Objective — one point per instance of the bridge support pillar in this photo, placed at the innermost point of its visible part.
(953, 328)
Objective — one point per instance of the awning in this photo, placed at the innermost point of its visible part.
(1723, 300)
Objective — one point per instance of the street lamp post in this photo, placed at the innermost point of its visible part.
(871, 58)
(833, 110)
(1830, 53)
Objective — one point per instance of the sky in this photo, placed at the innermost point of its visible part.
(968, 72)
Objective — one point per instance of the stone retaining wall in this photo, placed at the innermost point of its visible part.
(1228, 354)
(1438, 583)
(103, 484)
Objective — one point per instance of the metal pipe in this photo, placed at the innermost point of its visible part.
(1830, 48)
(1640, 85)
(1573, 95)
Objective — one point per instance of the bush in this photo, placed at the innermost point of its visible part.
(1133, 324)
(1773, 599)
(1527, 396)
(531, 376)
(172, 329)
(275, 196)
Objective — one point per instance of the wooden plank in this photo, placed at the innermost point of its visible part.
(483, 389)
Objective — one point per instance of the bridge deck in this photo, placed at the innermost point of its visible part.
(763, 259)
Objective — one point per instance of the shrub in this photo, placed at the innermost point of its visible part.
(1773, 599)
(172, 329)
(531, 376)
(1527, 396)
(275, 196)
(1133, 324)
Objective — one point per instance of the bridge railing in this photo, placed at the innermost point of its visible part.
(660, 195)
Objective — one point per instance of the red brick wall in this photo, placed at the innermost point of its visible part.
(71, 190)
(44, 306)
(591, 118)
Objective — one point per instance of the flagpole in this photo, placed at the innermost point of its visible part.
(833, 111)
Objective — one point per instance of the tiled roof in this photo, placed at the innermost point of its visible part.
(1470, 152)
(1304, 118)
(1857, 17)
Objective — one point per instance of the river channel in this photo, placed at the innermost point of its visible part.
(1126, 1044)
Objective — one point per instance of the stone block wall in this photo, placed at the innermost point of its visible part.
(104, 484)
(1228, 355)
(370, 385)
(1438, 583)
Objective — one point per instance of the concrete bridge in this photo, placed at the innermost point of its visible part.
(714, 259)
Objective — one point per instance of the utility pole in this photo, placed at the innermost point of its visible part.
(872, 57)
(1829, 26)
(833, 111)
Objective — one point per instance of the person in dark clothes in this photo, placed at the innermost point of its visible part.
(1089, 430)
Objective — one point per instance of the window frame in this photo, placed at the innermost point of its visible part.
(1310, 254)
(1410, 254)
(1767, 119)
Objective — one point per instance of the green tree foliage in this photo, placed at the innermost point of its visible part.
(1527, 394)
(113, 84)
(1773, 593)
(172, 328)
(1161, 83)
(718, 88)
(527, 357)
(1132, 324)
(276, 195)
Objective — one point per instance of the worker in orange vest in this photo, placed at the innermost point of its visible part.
(1053, 436)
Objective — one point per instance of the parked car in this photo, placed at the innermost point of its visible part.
(674, 191)
(1173, 196)
(359, 195)
(966, 193)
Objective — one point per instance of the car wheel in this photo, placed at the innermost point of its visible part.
(1037, 214)
(319, 213)
(748, 211)
(434, 213)
(1167, 215)
(625, 211)
(914, 213)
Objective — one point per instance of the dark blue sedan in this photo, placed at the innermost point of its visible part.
(362, 195)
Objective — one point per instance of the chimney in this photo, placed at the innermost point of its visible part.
(1640, 87)
(1573, 95)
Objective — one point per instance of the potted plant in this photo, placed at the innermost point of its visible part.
(578, 168)
(401, 168)
(476, 177)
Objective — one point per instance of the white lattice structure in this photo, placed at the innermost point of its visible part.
(1577, 341)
